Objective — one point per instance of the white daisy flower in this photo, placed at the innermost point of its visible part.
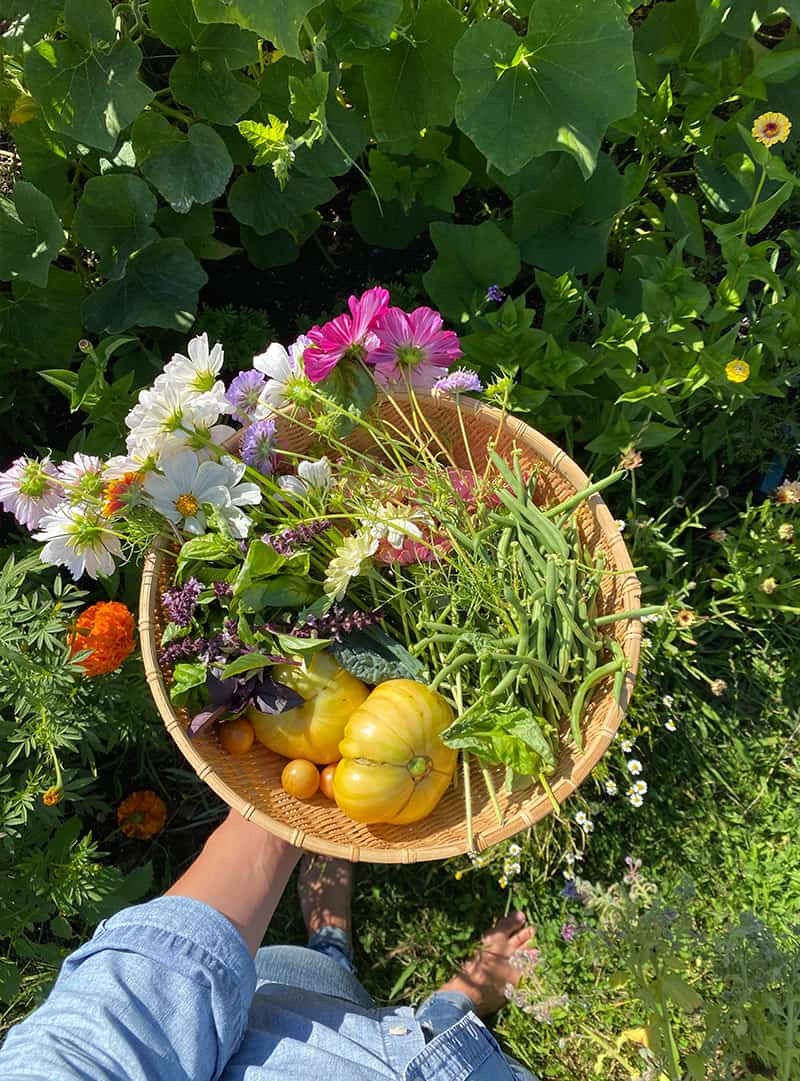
(611, 788)
(83, 478)
(581, 818)
(634, 766)
(620, 524)
(514, 850)
(287, 383)
(640, 787)
(635, 799)
(668, 701)
(311, 477)
(346, 564)
(670, 725)
(29, 491)
(165, 418)
(627, 746)
(80, 540)
(184, 485)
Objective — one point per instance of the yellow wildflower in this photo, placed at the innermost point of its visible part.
(737, 371)
(771, 128)
(52, 796)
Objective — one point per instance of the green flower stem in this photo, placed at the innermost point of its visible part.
(754, 204)
(465, 765)
(487, 776)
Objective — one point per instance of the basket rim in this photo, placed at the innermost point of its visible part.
(562, 786)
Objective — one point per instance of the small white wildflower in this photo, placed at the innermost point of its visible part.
(581, 818)
(514, 850)
(627, 746)
(668, 701)
(647, 643)
(634, 766)
(620, 524)
(670, 725)
(611, 788)
(635, 799)
(639, 787)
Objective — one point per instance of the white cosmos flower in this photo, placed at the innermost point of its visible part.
(184, 485)
(82, 479)
(79, 539)
(198, 372)
(246, 494)
(284, 371)
(165, 418)
(311, 477)
(29, 489)
(394, 524)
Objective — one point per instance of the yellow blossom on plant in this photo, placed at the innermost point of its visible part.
(771, 128)
(769, 585)
(52, 796)
(686, 617)
(637, 1035)
(737, 371)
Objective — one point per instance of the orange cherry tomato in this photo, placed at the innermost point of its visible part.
(300, 778)
(326, 780)
(237, 736)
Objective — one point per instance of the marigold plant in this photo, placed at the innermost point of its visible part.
(106, 629)
(142, 815)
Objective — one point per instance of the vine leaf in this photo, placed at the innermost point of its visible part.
(30, 235)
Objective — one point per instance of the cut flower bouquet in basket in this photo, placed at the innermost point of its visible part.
(374, 576)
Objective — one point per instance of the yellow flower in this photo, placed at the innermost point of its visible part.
(686, 617)
(771, 128)
(737, 371)
(52, 796)
(637, 1035)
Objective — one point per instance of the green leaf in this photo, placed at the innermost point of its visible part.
(256, 199)
(390, 225)
(159, 289)
(359, 24)
(347, 135)
(683, 217)
(281, 247)
(39, 327)
(10, 978)
(510, 735)
(268, 140)
(353, 388)
(301, 647)
(60, 927)
(374, 656)
(62, 379)
(278, 22)
(411, 85)
(89, 94)
(563, 222)
(261, 561)
(210, 548)
(113, 219)
(246, 663)
(210, 89)
(185, 169)
(307, 96)
(557, 89)
(470, 259)
(778, 65)
(28, 21)
(186, 676)
(189, 225)
(282, 591)
(89, 22)
(175, 22)
(45, 158)
(30, 235)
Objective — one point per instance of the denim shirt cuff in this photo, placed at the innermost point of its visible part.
(441, 1010)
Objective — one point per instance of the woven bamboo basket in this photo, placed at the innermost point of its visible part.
(251, 783)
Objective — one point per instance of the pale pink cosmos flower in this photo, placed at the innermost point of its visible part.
(29, 490)
(413, 346)
(346, 336)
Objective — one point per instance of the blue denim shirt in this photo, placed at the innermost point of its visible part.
(167, 991)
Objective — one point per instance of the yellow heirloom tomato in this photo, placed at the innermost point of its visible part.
(394, 765)
(313, 730)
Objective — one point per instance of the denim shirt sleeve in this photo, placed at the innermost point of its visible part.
(161, 991)
(443, 1015)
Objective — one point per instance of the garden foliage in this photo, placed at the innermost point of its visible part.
(594, 162)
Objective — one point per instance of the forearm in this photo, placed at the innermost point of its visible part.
(242, 872)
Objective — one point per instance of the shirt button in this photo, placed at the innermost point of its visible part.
(399, 1030)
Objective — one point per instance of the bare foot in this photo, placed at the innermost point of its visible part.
(325, 887)
(484, 977)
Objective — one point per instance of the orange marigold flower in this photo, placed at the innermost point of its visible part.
(107, 630)
(117, 493)
(52, 796)
(142, 814)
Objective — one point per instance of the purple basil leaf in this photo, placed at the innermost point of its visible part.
(273, 697)
(205, 718)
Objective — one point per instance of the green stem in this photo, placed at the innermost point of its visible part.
(487, 776)
(754, 203)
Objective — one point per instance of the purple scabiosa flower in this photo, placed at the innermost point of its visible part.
(245, 395)
(180, 602)
(258, 444)
(461, 381)
(495, 294)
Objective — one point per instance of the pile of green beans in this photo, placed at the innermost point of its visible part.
(554, 655)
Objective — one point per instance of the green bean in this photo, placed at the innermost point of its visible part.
(551, 581)
(451, 668)
(550, 535)
(578, 498)
(502, 549)
(621, 659)
(573, 623)
(633, 613)
(504, 684)
(594, 677)
(514, 482)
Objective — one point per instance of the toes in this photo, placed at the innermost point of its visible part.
(505, 927)
(517, 941)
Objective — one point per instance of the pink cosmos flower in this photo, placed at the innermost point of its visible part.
(346, 336)
(415, 346)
